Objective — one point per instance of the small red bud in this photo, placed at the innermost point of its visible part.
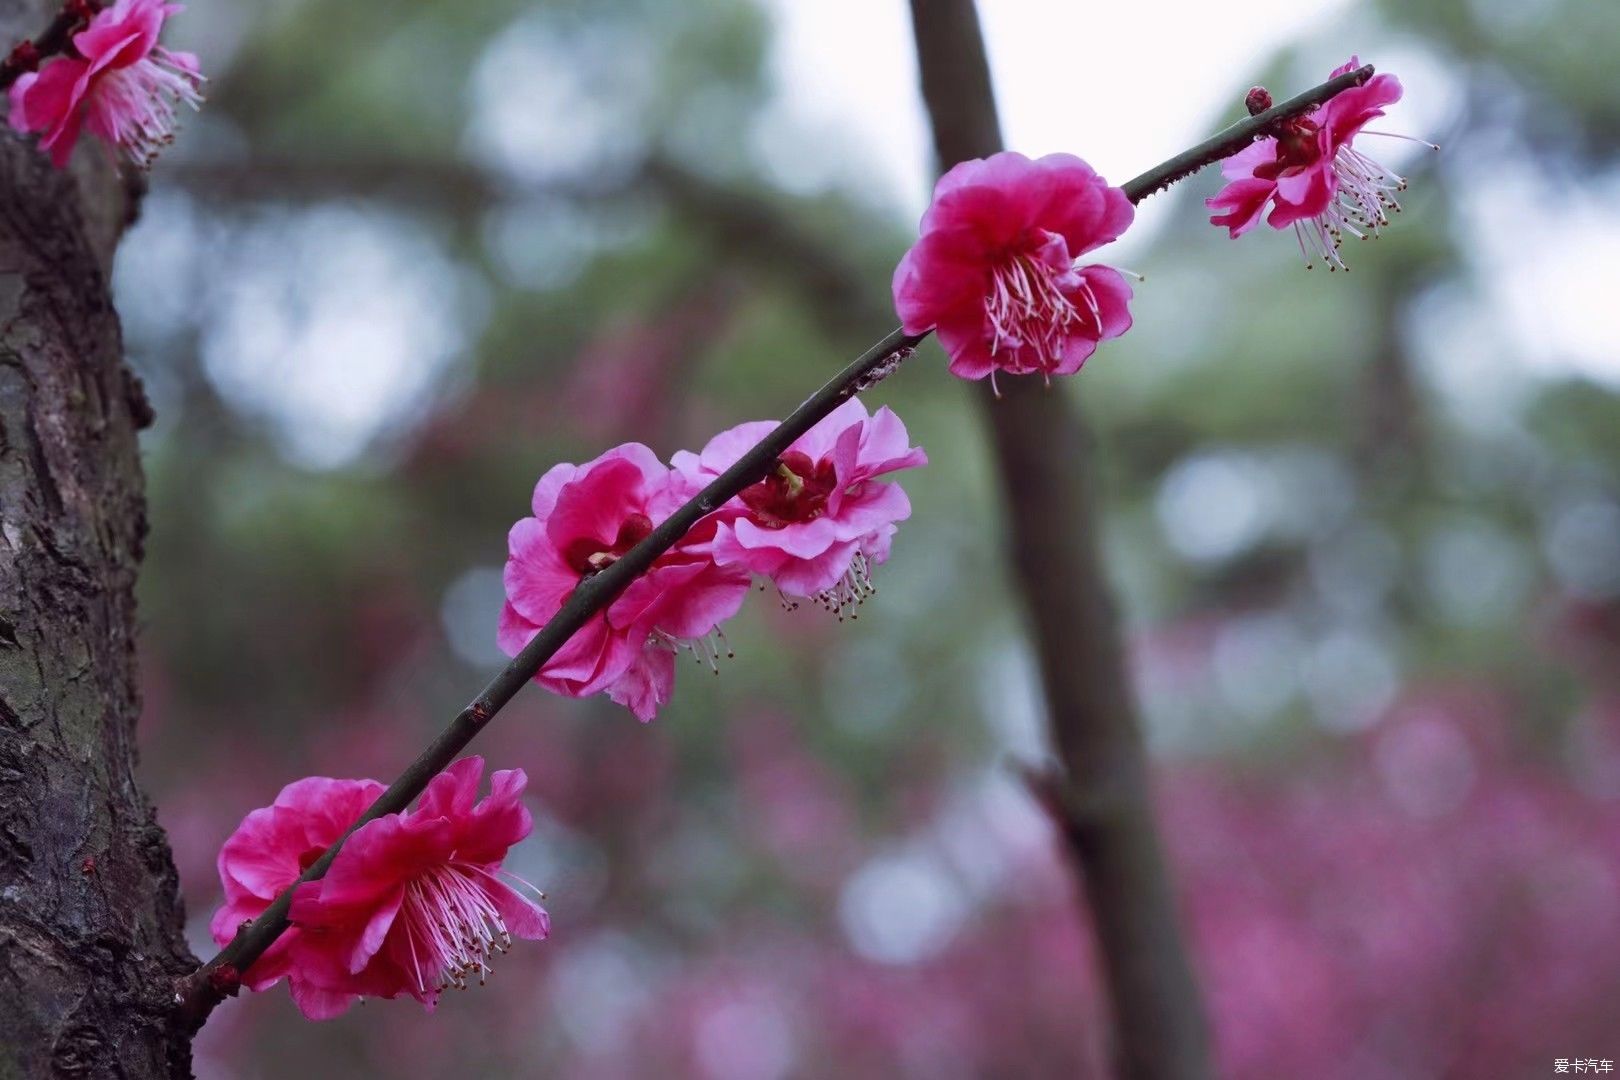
(24, 56)
(82, 10)
(88, 867)
(225, 980)
(1257, 101)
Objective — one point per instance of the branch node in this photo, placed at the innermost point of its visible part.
(225, 980)
(24, 57)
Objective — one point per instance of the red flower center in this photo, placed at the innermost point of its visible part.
(587, 556)
(1296, 148)
(796, 491)
(307, 859)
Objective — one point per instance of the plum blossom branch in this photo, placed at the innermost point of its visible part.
(201, 991)
(198, 993)
(1229, 141)
(26, 54)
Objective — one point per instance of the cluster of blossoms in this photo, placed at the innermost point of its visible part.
(815, 526)
(416, 902)
(994, 269)
(413, 904)
(1311, 175)
(117, 82)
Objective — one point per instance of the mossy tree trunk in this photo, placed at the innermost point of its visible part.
(90, 916)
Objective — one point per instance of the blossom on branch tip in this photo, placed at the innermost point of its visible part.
(120, 84)
(414, 902)
(993, 269)
(586, 517)
(819, 522)
(1311, 175)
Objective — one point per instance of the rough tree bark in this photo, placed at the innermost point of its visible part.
(1102, 794)
(90, 917)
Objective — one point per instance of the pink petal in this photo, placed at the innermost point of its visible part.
(965, 339)
(1304, 195)
(820, 440)
(647, 685)
(886, 447)
(806, 577)
(379, 921)
(728, 552)
(1113, 295)
(588, 661)
(258, 858)
(545, 491)
(1079, 205)
(1244, 201)
(1241, 165)
(802, 540)
(317, 1004)
(329, 806)
(498, 822)
(1343, 116)
(122, 33)
(722, 451)
(523, 918)
(944, 272)
(683, 601)
(1077, 349)
(877, 505)
(596, 504)
(452, 792)
(514, 631)
(49, 103)
(537, 579)
(846, 455)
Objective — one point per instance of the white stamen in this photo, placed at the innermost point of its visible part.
(1026, 307)
(849, 591)
(459, 924)
(140, 102)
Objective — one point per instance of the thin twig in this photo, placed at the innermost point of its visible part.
(1224, 144)
(198, 993)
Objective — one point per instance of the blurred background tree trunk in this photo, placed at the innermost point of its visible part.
(1102, 795)
(90, 916)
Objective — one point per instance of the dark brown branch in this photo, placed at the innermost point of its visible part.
(198, 993)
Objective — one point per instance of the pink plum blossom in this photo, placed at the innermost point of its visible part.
(994, 267)
(1312, 177)
(585, 518)
(271, 848)
(414, 902)
(820, 521)
(120, 84)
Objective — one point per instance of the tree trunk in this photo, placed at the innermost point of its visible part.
(1101, 795)
(90, 916)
